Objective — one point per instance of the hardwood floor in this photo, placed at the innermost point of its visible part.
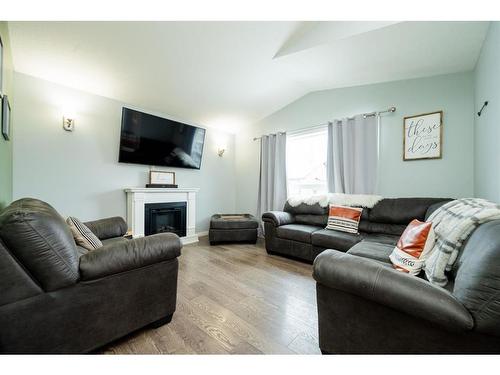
(235, 299)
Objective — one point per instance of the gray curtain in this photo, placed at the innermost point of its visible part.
(272, 183)
(352, 155)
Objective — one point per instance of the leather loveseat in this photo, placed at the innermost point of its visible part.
(300, 232)
(56, 297)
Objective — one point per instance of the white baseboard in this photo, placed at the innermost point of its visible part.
(189, 239)
(202, 234)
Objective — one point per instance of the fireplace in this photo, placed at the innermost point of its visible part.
(138, 217)
(165, 217)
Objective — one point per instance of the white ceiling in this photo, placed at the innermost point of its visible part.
(229, 74)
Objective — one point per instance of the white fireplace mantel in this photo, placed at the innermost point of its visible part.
(137, 198)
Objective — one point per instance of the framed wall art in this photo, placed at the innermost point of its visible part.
(423, 136)
(161, 178)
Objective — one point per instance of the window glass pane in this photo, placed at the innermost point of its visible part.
(306, 163)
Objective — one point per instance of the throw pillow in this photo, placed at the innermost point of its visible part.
(83, 235)
(413, 247)
(343, 218)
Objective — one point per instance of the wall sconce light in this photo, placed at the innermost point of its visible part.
(221, 151)
(68, 124)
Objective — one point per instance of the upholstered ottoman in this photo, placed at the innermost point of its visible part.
(233, 228)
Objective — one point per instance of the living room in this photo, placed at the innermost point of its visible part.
(240, 186)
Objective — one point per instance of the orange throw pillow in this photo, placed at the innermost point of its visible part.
(413, 247)
(344, 219)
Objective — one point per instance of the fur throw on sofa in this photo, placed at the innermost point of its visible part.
(339, 199)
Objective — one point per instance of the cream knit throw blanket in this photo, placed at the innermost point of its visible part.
(453, 223)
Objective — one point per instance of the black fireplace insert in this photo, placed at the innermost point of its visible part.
(165, 217)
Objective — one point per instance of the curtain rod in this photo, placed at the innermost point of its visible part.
(255, 138)
(365, 115)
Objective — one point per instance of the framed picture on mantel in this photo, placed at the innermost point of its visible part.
(423, 136)
(161, 177)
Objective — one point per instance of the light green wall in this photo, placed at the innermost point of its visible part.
(78, 172)
(451, 176)
(6, 146)
(487, 127)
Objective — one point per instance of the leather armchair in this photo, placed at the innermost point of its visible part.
(57, 299)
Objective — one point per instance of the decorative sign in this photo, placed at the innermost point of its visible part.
(161, 177)
(423, 136)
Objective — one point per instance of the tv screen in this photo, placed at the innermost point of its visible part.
(153, 140)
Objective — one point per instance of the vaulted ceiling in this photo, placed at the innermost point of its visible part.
(229, 74)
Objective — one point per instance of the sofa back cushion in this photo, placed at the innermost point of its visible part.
(389, 216)
(392, 215)
(391, 229)
(477, 277)
(307, 209)
(401, 211)
(308, 214)
(39, 238)
(316, 220)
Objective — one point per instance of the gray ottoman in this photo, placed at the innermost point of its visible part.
(233, 228)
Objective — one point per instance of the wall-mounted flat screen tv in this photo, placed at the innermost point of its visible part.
(152, 140)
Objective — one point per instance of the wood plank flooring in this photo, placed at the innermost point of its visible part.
(235, 299)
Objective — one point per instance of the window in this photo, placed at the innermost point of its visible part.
(306, 162)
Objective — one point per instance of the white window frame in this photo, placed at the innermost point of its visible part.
(312, 189)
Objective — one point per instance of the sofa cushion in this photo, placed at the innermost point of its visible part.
(387, 239)
(297, 232)
(391, 229)
(401, 210)
(372, 250)
(331, 239)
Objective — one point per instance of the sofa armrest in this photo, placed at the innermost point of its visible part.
(381, 284)
(108, 228)
(128, 255)
(278, 218)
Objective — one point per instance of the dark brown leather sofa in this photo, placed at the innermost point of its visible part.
(56, 297)
(300, 232)
(365, 306)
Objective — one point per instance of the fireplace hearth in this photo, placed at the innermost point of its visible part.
(165, 217)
